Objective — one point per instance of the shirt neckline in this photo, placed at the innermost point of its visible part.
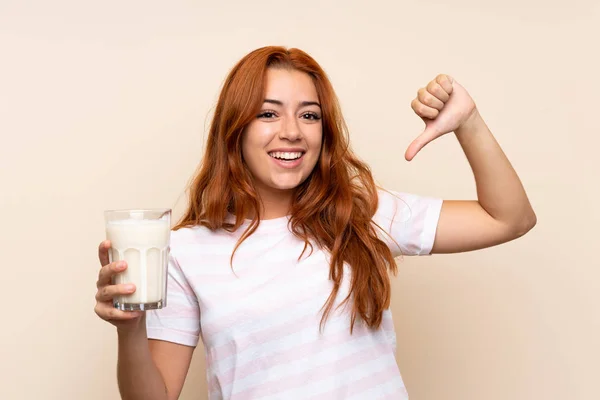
(265, 225)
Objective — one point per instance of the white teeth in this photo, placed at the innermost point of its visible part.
(286, 155)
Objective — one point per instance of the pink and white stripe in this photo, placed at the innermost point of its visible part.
(260, 325)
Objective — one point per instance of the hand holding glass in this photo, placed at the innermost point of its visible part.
(141, 238)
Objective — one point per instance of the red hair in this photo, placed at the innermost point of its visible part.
(333, 207)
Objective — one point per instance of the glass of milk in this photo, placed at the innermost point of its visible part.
(141, 238)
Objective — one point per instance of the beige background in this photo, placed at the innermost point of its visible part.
(105, 104)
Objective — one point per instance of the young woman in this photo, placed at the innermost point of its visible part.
(281, 261)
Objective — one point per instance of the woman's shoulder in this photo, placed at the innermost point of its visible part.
(388, 195)
(392, 198)
(395, 204)
(191, 235)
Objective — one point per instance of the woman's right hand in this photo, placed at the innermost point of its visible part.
(123, 320)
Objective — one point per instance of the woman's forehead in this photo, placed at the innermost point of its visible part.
(290, 86)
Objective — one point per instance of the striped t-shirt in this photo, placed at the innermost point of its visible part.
(260, 322)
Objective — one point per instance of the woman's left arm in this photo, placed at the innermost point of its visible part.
(502, 211)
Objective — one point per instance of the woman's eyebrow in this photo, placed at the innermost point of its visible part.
(301, 104)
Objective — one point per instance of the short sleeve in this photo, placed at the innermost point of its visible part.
(179, 321)
(409, 222)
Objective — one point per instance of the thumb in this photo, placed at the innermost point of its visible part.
(417, 144)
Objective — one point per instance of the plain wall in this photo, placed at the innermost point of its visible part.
(106, 104)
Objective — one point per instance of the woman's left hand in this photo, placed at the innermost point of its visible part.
(444, 105)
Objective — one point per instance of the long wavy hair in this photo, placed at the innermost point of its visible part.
(332, 208)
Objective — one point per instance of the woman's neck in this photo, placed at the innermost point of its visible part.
(275, 203)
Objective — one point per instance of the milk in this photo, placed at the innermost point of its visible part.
(144, 245)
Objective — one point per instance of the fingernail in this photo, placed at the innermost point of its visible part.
(121, 265)
(129, 288)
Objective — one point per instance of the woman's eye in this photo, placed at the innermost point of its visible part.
(311, 116)
(266, 114)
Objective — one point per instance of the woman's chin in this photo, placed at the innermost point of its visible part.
(284, 187)
(285, 184)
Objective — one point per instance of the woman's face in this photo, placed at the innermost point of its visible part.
(282, 144)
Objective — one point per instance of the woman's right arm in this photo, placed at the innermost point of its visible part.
(150, 369)
(146, 369)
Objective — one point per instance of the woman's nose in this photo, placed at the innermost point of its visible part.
(290, 129)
